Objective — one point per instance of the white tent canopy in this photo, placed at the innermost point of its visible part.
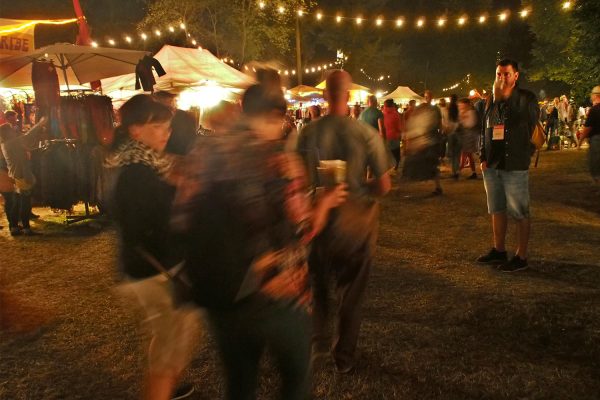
(403, 94)
(75, 64)
(185, 67)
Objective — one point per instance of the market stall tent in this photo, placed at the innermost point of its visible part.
(184, 67)
(403, 94)
(358, 93)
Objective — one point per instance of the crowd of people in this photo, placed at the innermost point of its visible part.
(241, 224)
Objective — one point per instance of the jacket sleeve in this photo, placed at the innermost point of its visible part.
(160, 71)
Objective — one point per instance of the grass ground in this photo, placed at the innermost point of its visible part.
(436, 325)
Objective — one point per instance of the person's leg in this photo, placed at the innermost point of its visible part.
(396, 154)
(25, 208)
(471, 162)
(319, 274)
(496, 202)
(454, 153)
(240, 350)
(288, 337)
(10, 209)
(517, 199)
(352, 273)
(499, 223)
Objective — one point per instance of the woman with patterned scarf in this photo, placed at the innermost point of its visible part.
(141, 205)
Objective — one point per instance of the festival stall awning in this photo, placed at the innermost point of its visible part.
(75, 64)
(358, 93)
(185, 67)
(354, 86)
(403, 94)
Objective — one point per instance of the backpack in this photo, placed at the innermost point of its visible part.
(538, 138)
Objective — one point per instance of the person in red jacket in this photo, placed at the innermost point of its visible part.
(393, 124)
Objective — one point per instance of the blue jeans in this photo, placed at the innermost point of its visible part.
(507, 192)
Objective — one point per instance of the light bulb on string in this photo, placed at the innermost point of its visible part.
(143, 36)
(111, 42)
(171, 29)
(338, 19)
(157, 32)
(566, 5)
(462, 21)
(399, 22)
(524, 13)
(482, 19)
(281, 9)
(300, 13)
(94, 44)
(420, 22)
(182, 25)
(441, 22)
(128, 39)
(503, 16)
(319, 16)
(261, 4)
(359, 20)
(194, 42)
(379, 22)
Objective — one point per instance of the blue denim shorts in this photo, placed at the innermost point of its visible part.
(507, 191)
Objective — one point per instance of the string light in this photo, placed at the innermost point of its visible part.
(281, 9)
(379, 22)
(182, 25)
(194, 42)
(144, 36)
(319, 16)
(261, 4)
(111, 42)
(399, 22)
(338, 19)
(462, 20)
(482, 19)
(171, 29)
(503, 16)
(524, 13)
(157, 32)
(300, 13)
(128, 39)
(566, 5)
(441, 22)
(359, 20)
(36, 22)
(420, 23)
(94, 44)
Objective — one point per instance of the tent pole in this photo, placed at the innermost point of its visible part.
(64, 70)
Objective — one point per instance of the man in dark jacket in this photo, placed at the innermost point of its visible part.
(506, 151)
(183, 126)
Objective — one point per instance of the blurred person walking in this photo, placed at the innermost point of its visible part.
(505, 155)
(346, 247)
(244, 215)
(423, 138)
(14, 148)
(591, 130)
(394, 126)
(149, 256)
(373, 116)
(450, 130)
(468, 132)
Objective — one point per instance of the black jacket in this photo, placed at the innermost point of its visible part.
(142, 207)
(522, 114)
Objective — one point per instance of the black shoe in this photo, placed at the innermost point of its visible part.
(183, 392)
(515, 264)
(437, 192)
(473, 176)
(493, 257)
(15, 231)
(344, 367)
(455, 177)
(33, 216)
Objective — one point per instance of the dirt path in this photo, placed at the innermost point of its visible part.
(436, 325)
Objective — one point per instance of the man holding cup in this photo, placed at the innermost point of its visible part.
(339, 149)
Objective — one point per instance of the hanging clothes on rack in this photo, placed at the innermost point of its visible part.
(144, 77)
(45, 84)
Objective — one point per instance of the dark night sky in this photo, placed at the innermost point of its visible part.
(108, 17)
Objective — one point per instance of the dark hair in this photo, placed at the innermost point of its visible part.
(162, 95)
(10, 113)
(263, 99)
(389, 103)
(139, 110)
(505, 62)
